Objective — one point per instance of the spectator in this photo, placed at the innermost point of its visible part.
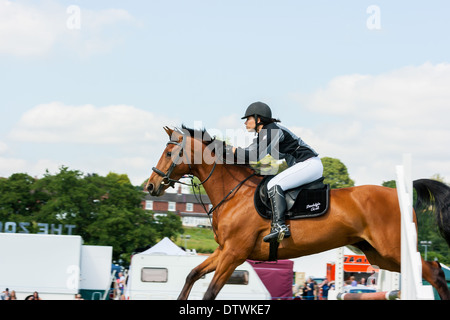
(363, 281)
(325, 287)
(353, 282)
(35, 296)
(121, 284)
(304, 291)
(78, 297)
(12, 296)
(5, 294)
(309, 289)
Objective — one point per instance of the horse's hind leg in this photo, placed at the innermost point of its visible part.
(388, 262)
(207, 266)
(432, 272)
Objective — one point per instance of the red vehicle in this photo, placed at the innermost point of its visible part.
(354, 265)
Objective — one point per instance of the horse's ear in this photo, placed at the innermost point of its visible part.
(168, 131)
(174, 135)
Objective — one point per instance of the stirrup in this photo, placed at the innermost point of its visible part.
(283, 232)
(281, 235)
(278, 232)
(273, 234)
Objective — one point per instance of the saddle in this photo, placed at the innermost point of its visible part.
(306, 201)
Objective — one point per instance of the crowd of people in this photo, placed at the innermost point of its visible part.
(311, 290)
(11, 295)
(118, 291)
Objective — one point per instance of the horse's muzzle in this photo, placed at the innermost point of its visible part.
(150, 187)
(154, 190)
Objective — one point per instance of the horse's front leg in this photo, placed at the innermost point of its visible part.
(207, 266)
(228, 261)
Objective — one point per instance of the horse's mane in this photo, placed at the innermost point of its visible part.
(205, 136)
(211, 143)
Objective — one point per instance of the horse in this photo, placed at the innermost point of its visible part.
(366, 217)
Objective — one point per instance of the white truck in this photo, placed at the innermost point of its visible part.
(56, 266)
(161, 277)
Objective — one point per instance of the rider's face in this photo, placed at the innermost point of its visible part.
(250, 124)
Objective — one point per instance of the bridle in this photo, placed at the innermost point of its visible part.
(166, 176)
(171, 182)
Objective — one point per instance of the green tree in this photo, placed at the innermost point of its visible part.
(18, 200)
(123, 229)
(119, 178)
(169, 225)
(199, 188)
(336, 174)
(106, 210)
(71, 200)
(389, 184)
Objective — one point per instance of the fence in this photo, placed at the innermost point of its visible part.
(411, 263)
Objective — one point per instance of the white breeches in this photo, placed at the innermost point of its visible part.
(299, 174)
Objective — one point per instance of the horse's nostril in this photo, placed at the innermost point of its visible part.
(150, 187)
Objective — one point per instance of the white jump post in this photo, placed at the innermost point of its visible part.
(339, 270)
(411, 263)
(338, 275)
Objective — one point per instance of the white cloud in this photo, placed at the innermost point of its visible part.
(377, 118)
(232, 129)
(56, 122)
(3, 147)
(10, 165)
(36, 29)
(118, 138)
(97, 33)
(26, 30)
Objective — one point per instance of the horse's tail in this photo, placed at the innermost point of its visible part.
(435, 194)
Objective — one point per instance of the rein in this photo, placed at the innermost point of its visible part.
(209, 212)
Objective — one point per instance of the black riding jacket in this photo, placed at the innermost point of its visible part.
(279, 142)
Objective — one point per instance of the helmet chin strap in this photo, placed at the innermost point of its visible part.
(257, 124)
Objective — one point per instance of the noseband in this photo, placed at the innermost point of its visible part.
(166, 176)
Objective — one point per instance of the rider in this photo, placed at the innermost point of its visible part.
(304, 165)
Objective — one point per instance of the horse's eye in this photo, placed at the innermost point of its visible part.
(169, 154)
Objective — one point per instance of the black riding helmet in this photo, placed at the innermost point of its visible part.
(258, 109)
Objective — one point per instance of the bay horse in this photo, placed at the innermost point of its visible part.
(367, 217)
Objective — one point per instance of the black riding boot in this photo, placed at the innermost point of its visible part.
(279, 229)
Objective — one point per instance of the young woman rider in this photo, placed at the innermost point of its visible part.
(304, 165)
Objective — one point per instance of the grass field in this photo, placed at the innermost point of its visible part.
(202, 240)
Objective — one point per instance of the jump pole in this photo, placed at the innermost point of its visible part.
(385, 295)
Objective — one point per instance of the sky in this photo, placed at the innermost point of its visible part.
(90, 84)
